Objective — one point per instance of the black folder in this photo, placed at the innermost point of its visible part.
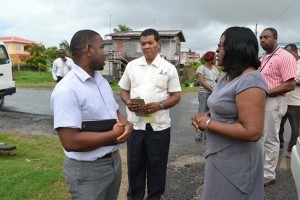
(99, 126)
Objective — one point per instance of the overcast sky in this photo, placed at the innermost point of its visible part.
(202, 22)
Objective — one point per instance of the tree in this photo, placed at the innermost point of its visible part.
(51, 55)
(66, 46)
(122, 28)
(40, 58)
(37, 57)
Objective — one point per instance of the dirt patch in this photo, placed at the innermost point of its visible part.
(26, 123)
(186, 161)
(124, 182)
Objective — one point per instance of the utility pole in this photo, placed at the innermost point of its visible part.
(110, 23)
(255, 30)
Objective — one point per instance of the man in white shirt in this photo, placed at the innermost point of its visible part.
(61, 66)
(293, 111)
(92, 167)
(154, 80)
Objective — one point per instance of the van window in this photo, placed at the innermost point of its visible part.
(4, 59)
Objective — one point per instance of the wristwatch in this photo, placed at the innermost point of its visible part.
(161, 105)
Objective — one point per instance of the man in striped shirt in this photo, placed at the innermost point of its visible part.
(278, 67)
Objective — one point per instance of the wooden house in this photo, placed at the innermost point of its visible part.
(125, 46)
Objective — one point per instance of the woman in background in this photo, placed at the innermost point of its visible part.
(234, 151)
(207, 75)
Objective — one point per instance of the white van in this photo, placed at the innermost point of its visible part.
(7, 83)
(295, 165)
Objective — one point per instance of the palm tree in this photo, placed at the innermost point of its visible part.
(66, 46)
(122, 28)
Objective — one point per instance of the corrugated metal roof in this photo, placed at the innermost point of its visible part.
(283, 44)
(164, 33)
(17, 40)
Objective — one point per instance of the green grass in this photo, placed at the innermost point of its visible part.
(43, 80)
(189, 89)
(115, 87)
(34, 170)
(32, 79)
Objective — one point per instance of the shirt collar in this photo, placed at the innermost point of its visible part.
(80, 73)
(155, 62)
(275, 52)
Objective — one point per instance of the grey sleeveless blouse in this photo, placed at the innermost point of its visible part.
(240, 162)
(222, 105)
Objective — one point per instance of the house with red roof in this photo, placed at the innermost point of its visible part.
(17, 48)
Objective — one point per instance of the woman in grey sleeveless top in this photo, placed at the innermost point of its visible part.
(207, 75)
(234, 154)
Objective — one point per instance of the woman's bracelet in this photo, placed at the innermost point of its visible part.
(207, 123)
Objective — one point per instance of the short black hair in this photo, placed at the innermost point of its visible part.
(61, 50)
(273, 31)
(80, 39)
(293, 47)
(151, 31)
(241, 51)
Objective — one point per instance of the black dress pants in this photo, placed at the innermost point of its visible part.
(147, 157)
(59, 78)
(293, 115)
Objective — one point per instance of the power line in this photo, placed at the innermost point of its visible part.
(293, 26)
(283, 12)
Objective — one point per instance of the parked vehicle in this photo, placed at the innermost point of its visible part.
(7, 83)
(295, 165)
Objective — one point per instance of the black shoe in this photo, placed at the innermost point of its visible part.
(7, 148)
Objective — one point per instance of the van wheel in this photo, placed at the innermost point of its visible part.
(1, 101)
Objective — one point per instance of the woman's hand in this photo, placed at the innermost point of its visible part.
(199, 121)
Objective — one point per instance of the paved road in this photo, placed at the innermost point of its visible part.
(186, 163)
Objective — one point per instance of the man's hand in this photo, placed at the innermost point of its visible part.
(127, 130)
(118, 129)
(133, 107)
(151, 107)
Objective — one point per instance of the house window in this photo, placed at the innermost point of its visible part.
(18, 47)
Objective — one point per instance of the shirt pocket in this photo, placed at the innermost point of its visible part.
(134, 80)
(161, 81)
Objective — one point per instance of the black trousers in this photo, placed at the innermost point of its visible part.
(59, 79)
(293, 115)
(147, 157)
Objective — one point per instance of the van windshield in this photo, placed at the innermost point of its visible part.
(4, 59)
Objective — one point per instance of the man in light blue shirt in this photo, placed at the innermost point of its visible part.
(92, 169)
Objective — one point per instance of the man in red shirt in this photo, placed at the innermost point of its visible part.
(278, 67)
